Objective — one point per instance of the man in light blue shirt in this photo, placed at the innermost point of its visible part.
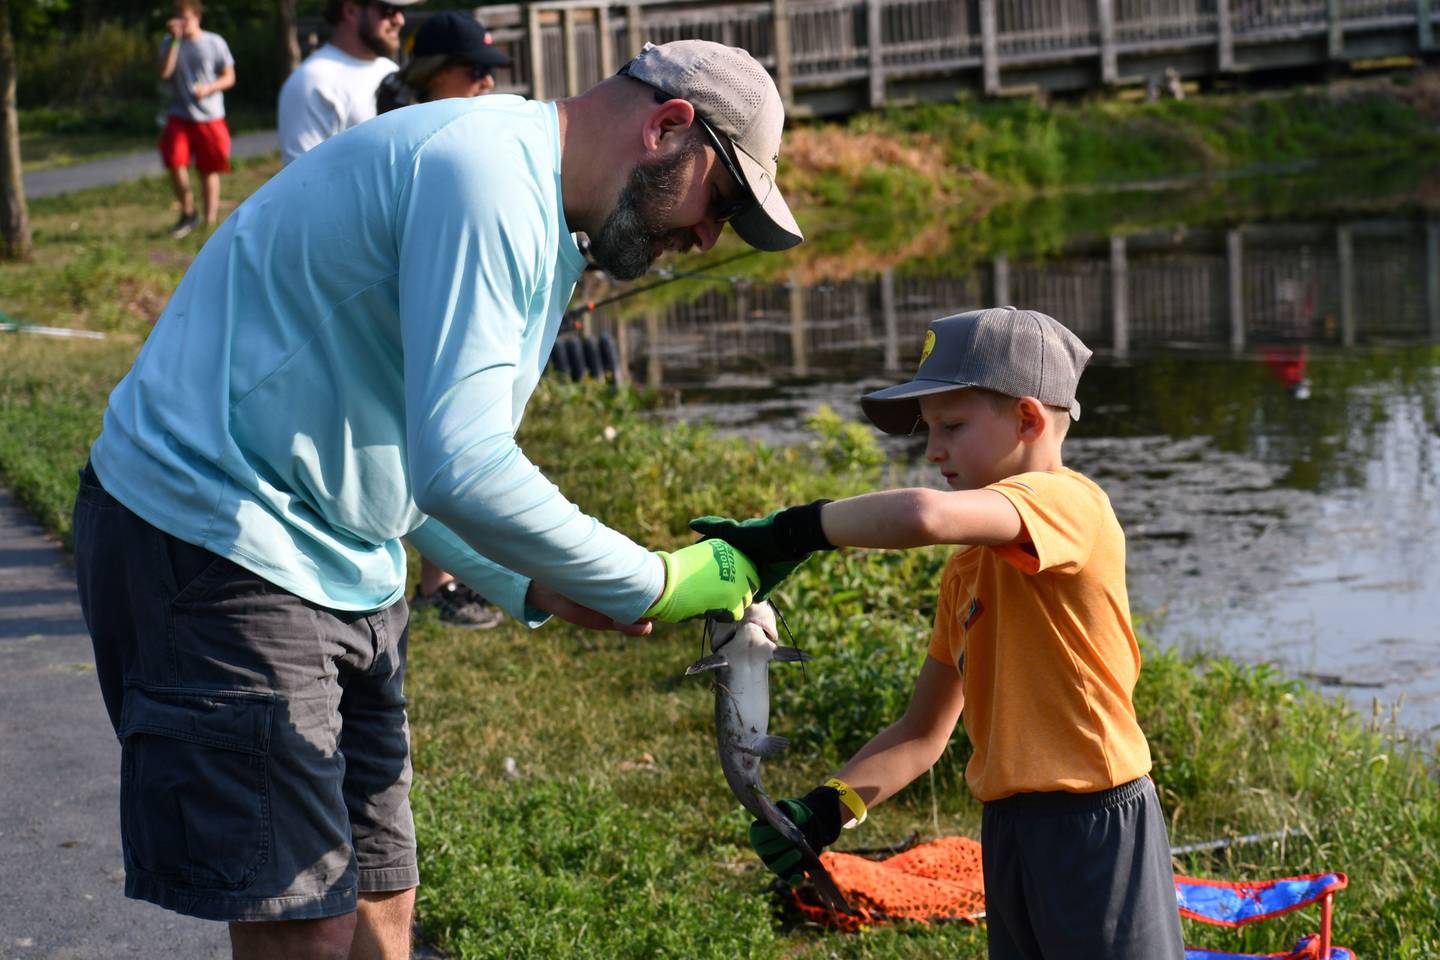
(345, 364)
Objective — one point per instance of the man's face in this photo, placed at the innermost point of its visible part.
(379, 26)
(669, 204)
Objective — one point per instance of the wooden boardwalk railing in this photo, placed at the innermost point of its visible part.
(835, 56)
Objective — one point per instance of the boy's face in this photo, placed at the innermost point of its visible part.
(974, 438)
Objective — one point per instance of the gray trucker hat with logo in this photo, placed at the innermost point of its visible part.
(1020, 353)
(734, 94)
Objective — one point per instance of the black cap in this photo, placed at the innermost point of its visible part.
(459, 36)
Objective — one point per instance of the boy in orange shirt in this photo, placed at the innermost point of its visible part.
(1032, 645)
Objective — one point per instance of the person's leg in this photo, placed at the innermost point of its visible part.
(375, 742)
(383, 930)
(327, 939)
(1007, 920)
(432, 578)
(211, 187)
(456, 603)
(180, 183)
(1109, 890)
(212, 158)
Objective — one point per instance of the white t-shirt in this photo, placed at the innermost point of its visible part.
(330, 92)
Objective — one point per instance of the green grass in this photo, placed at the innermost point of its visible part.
(616, 836)
(593, 850)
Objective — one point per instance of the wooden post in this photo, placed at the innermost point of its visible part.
(1345, 250)
(572, 55)
(536, 40)
(890, 318)
(654, 368)
(784, 71)
(1225, 36)
(1000, 277)
(799, 342)
(622, 350)
(1425, 31)
(1432, 277)
(1119, 297)
(606, 41)
(1335, 16)
(874, 27)
(1235, 270)
(990, 47)
(634, 28)
(1109, 62)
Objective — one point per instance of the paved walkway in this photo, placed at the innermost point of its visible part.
(60, 865)
(48, 183)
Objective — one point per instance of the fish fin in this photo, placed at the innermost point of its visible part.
(789, 654)
(825, 887)
(713, 662)
(771, 746)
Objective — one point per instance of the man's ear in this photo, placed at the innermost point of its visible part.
(1032, 420)
(667, 121)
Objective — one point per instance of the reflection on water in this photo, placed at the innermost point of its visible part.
(1262, 409)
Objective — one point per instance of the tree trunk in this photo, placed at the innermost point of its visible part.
(14, 218)
(289, 42)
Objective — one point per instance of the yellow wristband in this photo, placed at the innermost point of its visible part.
(851, 799)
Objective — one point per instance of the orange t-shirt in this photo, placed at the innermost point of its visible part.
(1041, 635)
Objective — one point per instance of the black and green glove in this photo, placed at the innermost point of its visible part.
(818, 816)
(706, 578)
(778, 543)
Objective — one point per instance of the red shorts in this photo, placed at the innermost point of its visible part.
(208, 139)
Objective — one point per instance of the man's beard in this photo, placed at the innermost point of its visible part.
(624, 246)
(369, 34)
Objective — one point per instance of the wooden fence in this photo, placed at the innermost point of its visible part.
(835, 56)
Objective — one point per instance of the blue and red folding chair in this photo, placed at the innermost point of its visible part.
(1228, 904)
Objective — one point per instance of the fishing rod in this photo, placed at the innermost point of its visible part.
(666, 276)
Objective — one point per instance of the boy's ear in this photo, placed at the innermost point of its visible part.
(1033, 422)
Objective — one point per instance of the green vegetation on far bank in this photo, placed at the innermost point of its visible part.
(614, 835)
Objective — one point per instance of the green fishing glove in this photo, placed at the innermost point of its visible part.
(817, 814)
(778, 543)
(709, 577)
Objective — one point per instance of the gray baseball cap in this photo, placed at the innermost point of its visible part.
(1020, 353)
(730, 91)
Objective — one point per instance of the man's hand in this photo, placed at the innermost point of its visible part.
(543, 598)
(778, 543)
(817, 814)
(706, 578)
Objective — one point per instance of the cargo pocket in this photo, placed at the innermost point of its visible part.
(194, 800)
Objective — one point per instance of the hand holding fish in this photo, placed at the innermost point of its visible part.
(817, 814)
(709, 578)
(778, 542)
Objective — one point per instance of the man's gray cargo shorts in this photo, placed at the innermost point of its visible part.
(265, 752)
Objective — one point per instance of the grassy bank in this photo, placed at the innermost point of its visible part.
(615, 837)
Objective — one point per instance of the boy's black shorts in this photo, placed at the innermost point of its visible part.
(265, 753)
(1080, 875)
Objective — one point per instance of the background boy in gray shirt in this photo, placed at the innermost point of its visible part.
(199, 67)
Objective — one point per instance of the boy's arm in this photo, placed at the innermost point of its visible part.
(224, 82)
(880, 769)
(919, 517)
(907, 748)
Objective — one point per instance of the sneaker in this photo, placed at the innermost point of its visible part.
(459, 606)
(185, 225)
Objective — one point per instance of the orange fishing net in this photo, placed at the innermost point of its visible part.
(932, 882)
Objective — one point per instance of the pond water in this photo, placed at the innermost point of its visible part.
(1261, 408)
